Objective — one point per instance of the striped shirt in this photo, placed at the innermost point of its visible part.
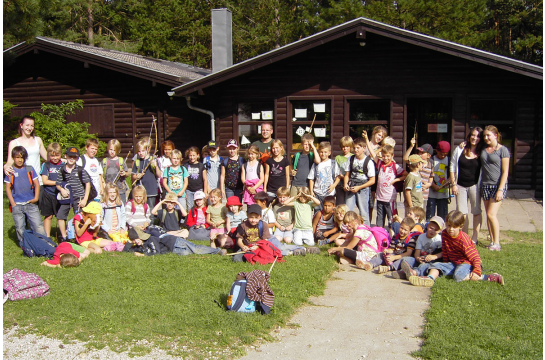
(425, 174)
(139, 217)
(72, 178)
(460, 250)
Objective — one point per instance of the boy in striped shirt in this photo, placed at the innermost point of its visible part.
(460, 257)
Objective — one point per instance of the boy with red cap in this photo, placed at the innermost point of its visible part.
(438, 197)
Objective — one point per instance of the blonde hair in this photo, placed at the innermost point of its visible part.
(68, 260)
(177, 153)
(54, 149)
(283, 191)
(493, 130)
(144, 143)
(216, 192)
(347, 141)
(279, 143)
(389, 141)
(324, 145)
(351, 216)
(107, 188)
(340, 208)
(116, 144)
(91, 141)
(253, 149)
(304, 190)
(141, 189)
(388, 149)
(382, 129)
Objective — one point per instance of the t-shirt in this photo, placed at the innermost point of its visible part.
(170, 224)
(425, 174)
(427, 245)
(366, 237)
(112, 170)
(440, 176)
(249, 233)
(175, 178)
(52, 172)
(341, 159)
(253, 171)
(460, 250)
(195, 181)
(66, 248)
(284, 214)
(491, 164)
(324, 225)
(358, 174)
(264, 149)
(324, 175)
(77, 191)
(303, 215)
(236, 219)
(217, 214)
(94, 169)
(303, 168)
(400, 246)
(414, 183)
(232, 174)
(213, 172)
(22, 188)
(149, 180)
(277, 174)
(386, 174)
(268, 217)
(87, 234)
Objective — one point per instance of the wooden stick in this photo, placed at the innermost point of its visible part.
(275, 258)
(311, 125)
(233, 254)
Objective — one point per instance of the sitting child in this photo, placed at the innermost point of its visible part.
(113, 214)
(196, 218)
(340, 236)
(67, 255)
(216, 215)
(87, 225)
(169, 218)
(267, 215)
(323, 223)
(418, 214)
(234, 217)
(460, 257)
(361, 245)
(284, 216)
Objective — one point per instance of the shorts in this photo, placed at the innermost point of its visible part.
(216, 232)
(48, 205)
(281, 235)
(489, 191)
(85, 244)
(64, 210)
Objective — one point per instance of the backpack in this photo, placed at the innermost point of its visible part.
(240, 161)
(34, 244)
(381, 236)
(165, 215)
(21, 285)
(106, 162)
(237, 300)
(365, 165)
(70, 230)
(333, 163)
(296, 159)
(137, 163)
(92, 191)
(29, 173)
(206, 162)
(133, 207)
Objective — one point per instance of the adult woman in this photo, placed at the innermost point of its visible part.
(495, 169)
(33, 145)
(465, 172)
(373, 150)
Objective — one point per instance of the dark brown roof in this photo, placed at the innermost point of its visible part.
(362, 25)
(165, 72)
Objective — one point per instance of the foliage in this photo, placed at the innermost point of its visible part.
(51, 126)
(10, 124)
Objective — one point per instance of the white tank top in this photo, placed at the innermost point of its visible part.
(33, 157)
(251, 171)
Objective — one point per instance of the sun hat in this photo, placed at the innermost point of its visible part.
(415, 159)
(93, 208)
(233, 200)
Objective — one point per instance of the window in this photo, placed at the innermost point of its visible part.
(250, 118)
(365, 114)
(310, 116)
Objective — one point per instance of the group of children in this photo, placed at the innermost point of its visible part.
(317, 209)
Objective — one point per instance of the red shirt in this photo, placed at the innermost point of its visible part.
(87, 234)
(460, 250)
(63, 248)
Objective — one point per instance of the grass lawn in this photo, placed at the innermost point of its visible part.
(116, 299)
(474, 320)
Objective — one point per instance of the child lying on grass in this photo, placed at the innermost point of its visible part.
(67, 255)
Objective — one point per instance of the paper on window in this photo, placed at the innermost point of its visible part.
(244, 140)
(256, 116)
(259, 129)
(319, 132)
(301, 113)
(300, 131)
(319, 108)
(308, 129)
(267, 115)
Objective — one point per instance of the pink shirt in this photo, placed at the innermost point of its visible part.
(201, 218)
(386, 173)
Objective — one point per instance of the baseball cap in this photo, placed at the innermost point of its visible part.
(232, 143)
(415, 159)
(439, 221)
(254, 209)
(426, 148)
(443, 146)
(199, 195)
(171, 197)
(72, 151)
(212, 144)
(92, 208)
(136, 233)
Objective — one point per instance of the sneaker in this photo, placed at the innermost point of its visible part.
(494, 247)
(399, 274)
(421, 281)
(299, 252)
(323, 242)
(365, 265)
(382, 269)
(313, 250)
(222, 252)
(407, 269)
(496, 278)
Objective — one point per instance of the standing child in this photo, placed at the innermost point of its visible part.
(425, 152)
(234, 217)
(49, 206)
(197, 180)
(277, 168)
(267, 215)
(460, 257)
(145, 172)
(216, 215)
(114, 222)
(163, 162)
(90, 163)
(302, 162)
(175, 178)
(212, 166)
(347, 145)
(23, 192)
(231, 171)
(439, 194)
(323, 223)
(78, 181)
(196, 218)
(115, 169)
(386, 192)
(87, 225)
(252, 175)
(413, 187)
(169, 217)
(302, 204)
(359, 175)
(284, 216)
(325, 176)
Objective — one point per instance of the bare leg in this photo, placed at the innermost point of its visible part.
(95, 249)
(62, 227)
(494, 225)
(47, 225)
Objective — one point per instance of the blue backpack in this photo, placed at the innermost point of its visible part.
(37, 245)
(237, 300)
